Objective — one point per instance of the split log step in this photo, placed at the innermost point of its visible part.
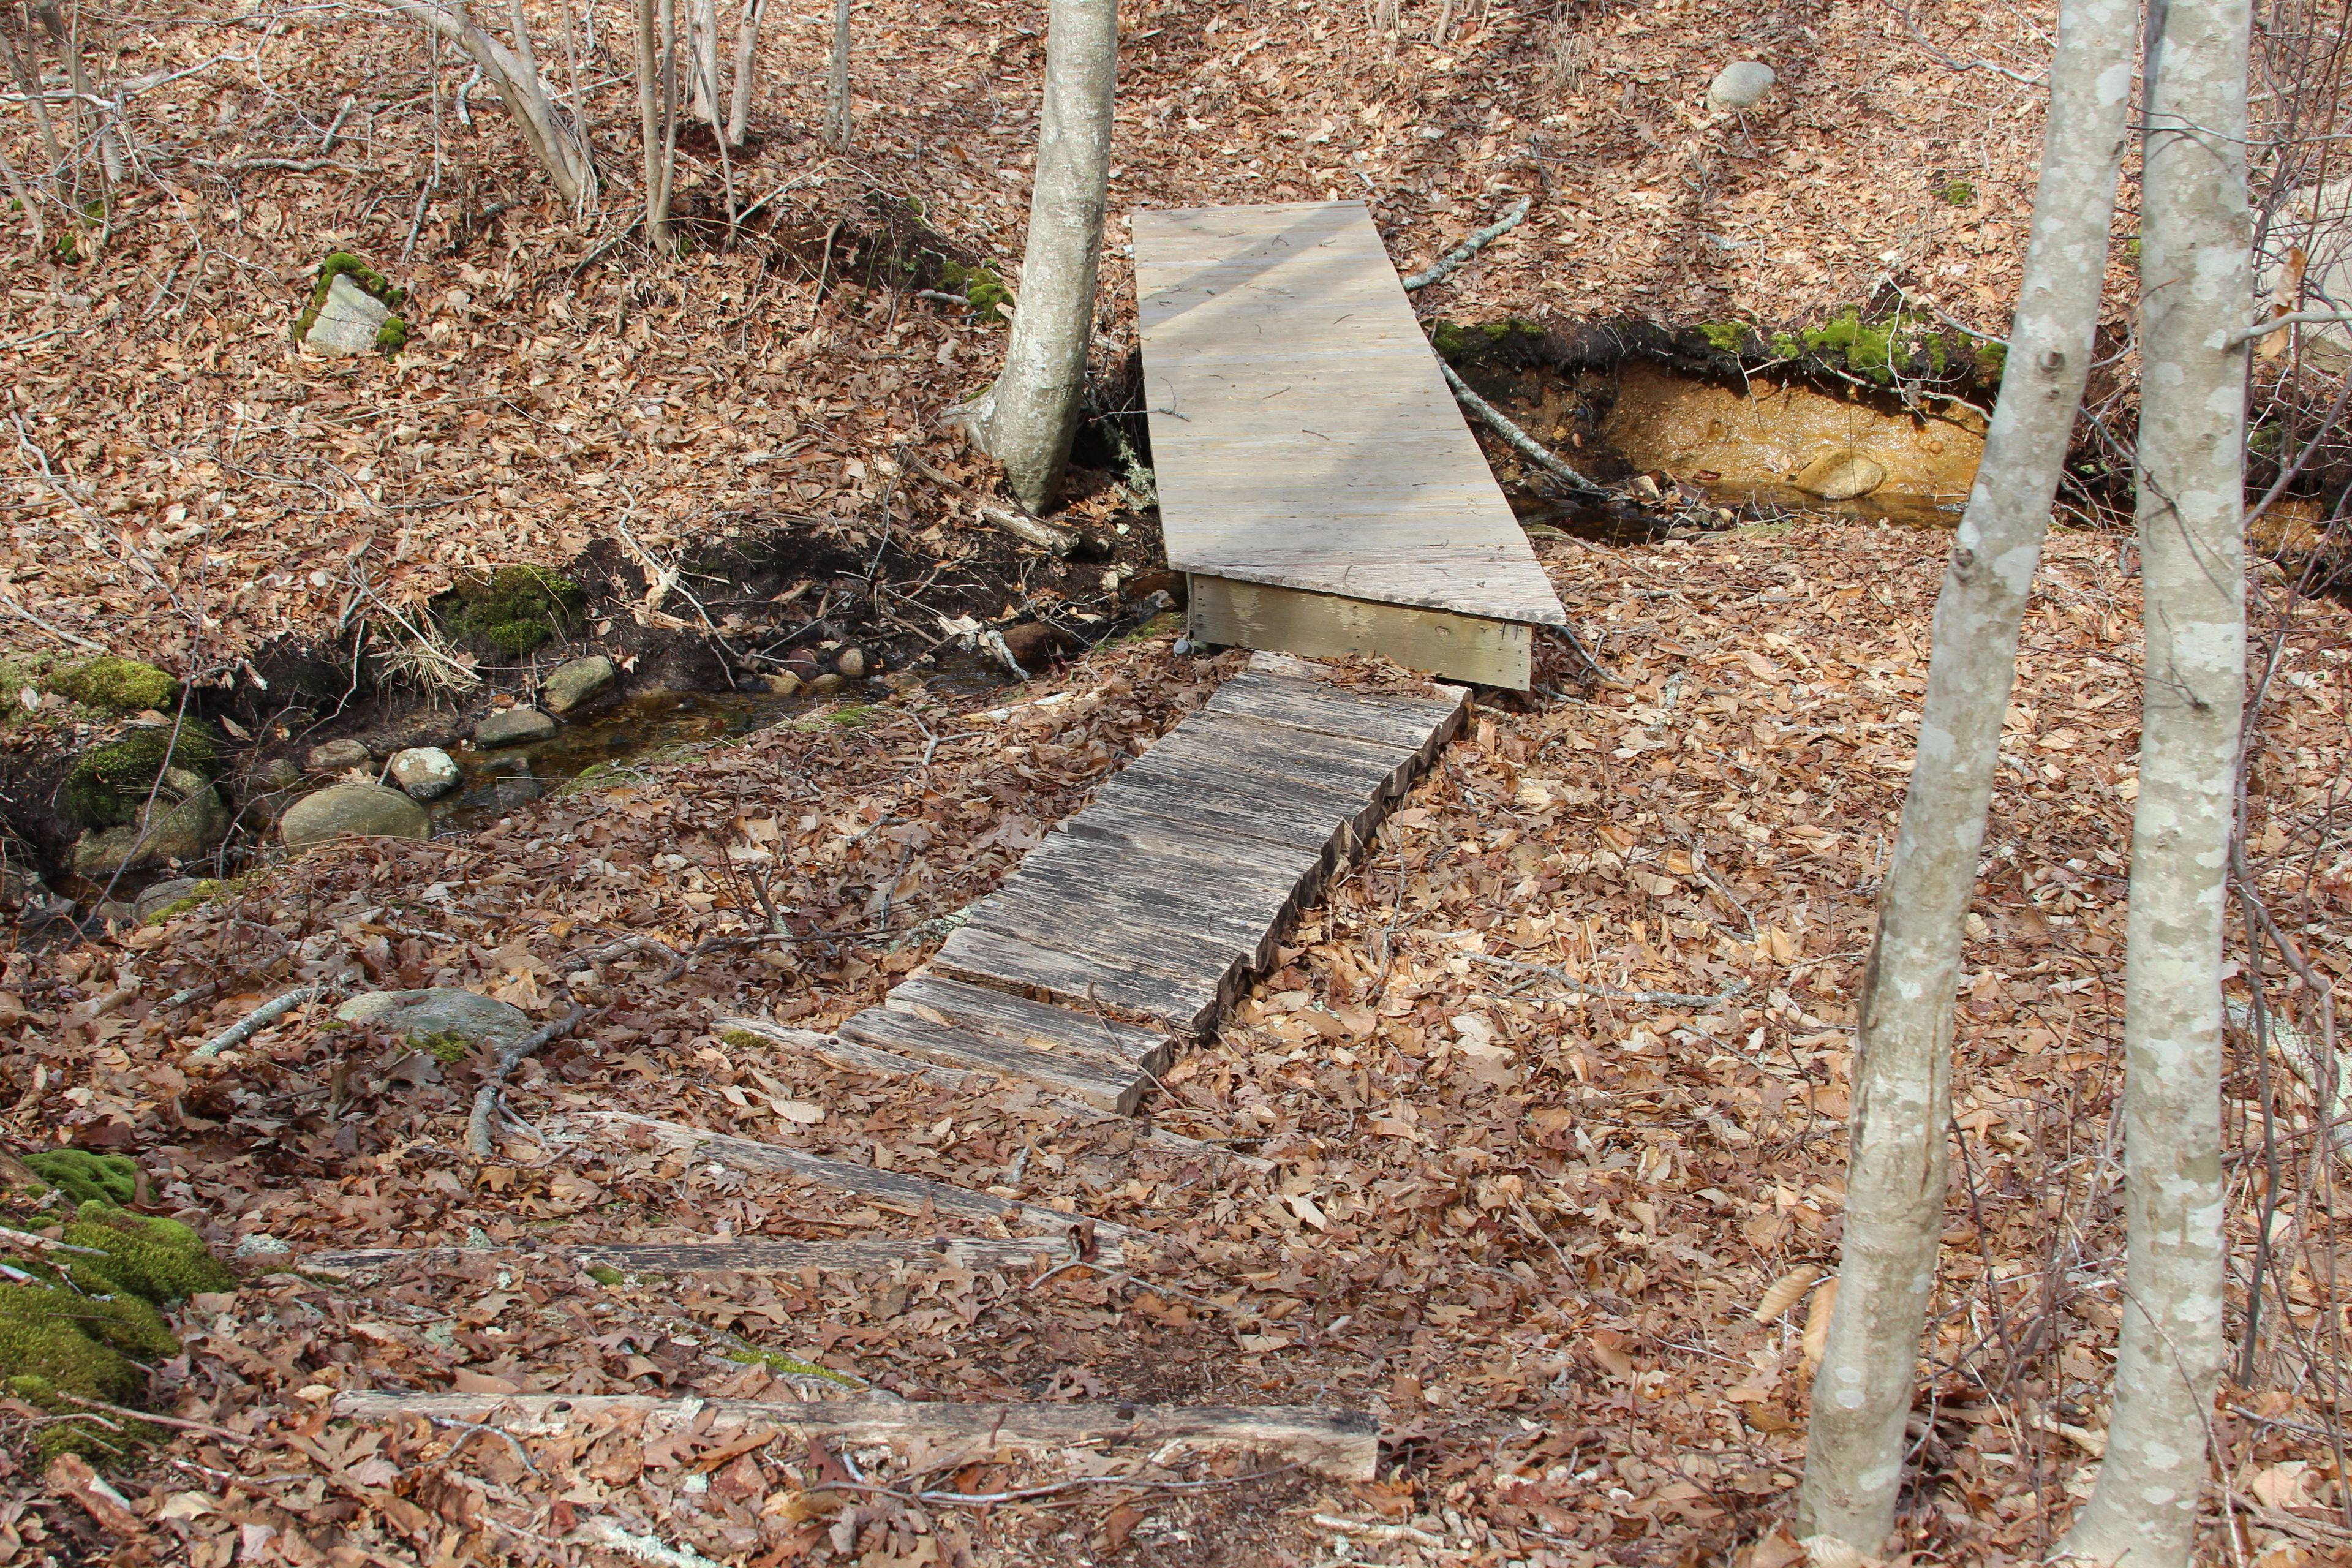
(891, 1189)
(872, 1058)
(1090, 1082)
(755, 1255)
(1343, 1445)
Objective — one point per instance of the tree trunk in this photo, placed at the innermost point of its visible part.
(1895, 1185)
(1028, 417)
(702, 60)
(837, 111)
(651, 118)
(513, 75)
(2196, 293)
(747, 44)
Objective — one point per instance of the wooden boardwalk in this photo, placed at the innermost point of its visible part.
(1316, 478)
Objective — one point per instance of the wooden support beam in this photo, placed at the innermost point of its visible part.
(755, 1255)
(1229, 612)
(1343, 1445)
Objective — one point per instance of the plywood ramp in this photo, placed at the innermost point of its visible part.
(1316, 478)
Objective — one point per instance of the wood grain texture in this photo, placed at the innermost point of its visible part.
(909, 1195)
(1033, 1022)
(757, 1255)
(1301, 432)
(1021, 962)
(1490, 652)
(1343, 1445)
(1090, 1082)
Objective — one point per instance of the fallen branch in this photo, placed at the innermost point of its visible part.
(1471, 246)
(608, 1534)
(1518, 439)
(1586, 988)
(9, 603)
(43, 1244)
(181, 1422)
(480, 1141)
(1019, 1494)
(1056, 541)
(245, 1028)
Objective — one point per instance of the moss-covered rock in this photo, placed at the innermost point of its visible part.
(109, 783)
(516, 609)
(86, 1325)
(87, 1177)
(155, 1259)
(366, 279)
(116, 684)
(980, 286)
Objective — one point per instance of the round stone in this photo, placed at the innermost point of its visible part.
(340, 757)
(578, 682)
(368, 810)
(513, 727)
(440, 1011)
(427, 773)
(1742, 84)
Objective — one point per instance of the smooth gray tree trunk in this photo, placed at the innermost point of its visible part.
(1027, 420)
(513, 75)
(1895, 1178)
(2196, 295)
(655, 119)
(747, 44)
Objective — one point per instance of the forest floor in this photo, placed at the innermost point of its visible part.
(1529, 1229)
(1537, 1232)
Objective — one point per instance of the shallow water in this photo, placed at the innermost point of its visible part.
(641, 726)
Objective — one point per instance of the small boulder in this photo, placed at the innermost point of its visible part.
(268, 777)
(513, 727)
(186, 819)
(1840, 476)
(784, 684)
(157, 896)
(340, 757)
(117, 685)
(828, 683)
(369, 810)
(427, 773)
(1742, 84)
(440, 1013)
(851, 662)
(577, 681)
(514, 791)
(349, 321)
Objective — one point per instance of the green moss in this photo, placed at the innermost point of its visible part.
(109, 784)
(1992, 363)
(980, 286)
(1448, 339)
(743, 1040)
(1725, 336)
(375, 284)
(87, 1177)
(606, 1274)
(856, 718)
(1959, 192)
(205, 892)
(1785, 346)
(117, 685)
(152, 1258)
(393, 336)
(448, 1049)
(515, 609)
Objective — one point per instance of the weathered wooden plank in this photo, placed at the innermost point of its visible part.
(1304, 437)
(1180, 796)
(1158, 948)
(1234, 614)
(872, 1058)
(1368, 769)
(1257, 860)
(1420, 726)
(1178, 766)
(1180, 915)
(755, 1255)
(1342, 1443)
(1013, 961)
(907, 1192)
(1115, 1090)
(1033, 1022)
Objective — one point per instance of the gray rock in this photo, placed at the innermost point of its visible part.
(1742, 84)
(851, 662)
(578, 681)
(261, 1244)
(784, 684)
(186, 819)
(340, 757)
(513, 727)
(369, 810)
(1840, 476)
(277, 774)
(828, 683)
(159, 896)
(348, 322)
(443, 1010)
(427, 773)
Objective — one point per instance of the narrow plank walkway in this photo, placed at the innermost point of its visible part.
(1316, 476)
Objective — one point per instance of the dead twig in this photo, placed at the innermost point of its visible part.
(480, 1141)
(245, 1028)
(1469, 247)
